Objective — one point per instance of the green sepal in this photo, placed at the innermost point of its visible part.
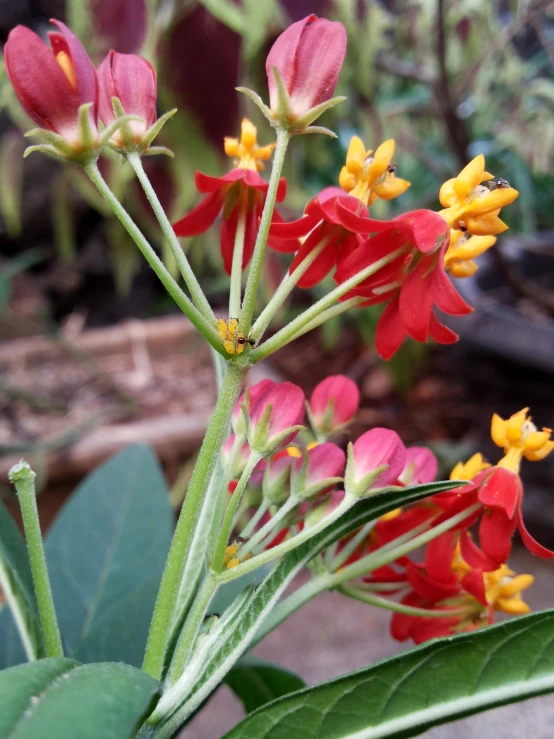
(87, 138)
(155, 128)
(284, 113)
(256, 99)
(360, 488)
(320, 129)
(153, 150)
(119, 124)
(44, 149)
(309, 117)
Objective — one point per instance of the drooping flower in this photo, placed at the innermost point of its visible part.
(472, 200)
(132, 79)
(369, 175)
(239, 194)
(333, 404)
(375, 460)
(308, 56)
(52, 83)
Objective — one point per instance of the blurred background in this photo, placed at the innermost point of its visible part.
(93, 354)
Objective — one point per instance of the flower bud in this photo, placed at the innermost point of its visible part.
(308, 57)
(241, 457)
(275, 417)
(333, 404)
(420, 466)
(276, 485)
(318, 471)
(375, 460)
(246, 400)
(52, 83)
(132, 79)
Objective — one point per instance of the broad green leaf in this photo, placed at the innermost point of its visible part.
(219, 649)
(62, 699)
(407, 694)
(257, 682)
(106, 552)
(20, 634)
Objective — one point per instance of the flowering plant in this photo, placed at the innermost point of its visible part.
(272, 491)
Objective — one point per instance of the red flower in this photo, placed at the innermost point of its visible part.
(333, 404)
(132, 79)
(412, 285)
(309, 56)
(52, 83)
(241, 189)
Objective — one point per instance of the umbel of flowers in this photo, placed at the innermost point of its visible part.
(273, 472)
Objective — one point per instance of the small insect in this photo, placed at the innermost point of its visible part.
(391, 169)
(498, 184)
(234, 342)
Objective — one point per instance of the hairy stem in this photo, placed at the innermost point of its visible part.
(23, 477)
(391, 605)
(236, 268)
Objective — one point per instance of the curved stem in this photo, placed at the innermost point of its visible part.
(236, 268)
(197, 294)
(227, 525)
(163, 612)
(391, 605)
(255, 520)
(287, 333)
(203, 326)
(23, 477)
(285, 288)
(249, 301)
(260, 535)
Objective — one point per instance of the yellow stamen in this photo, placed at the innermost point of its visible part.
(293, 451)
(368, 175)
(247, 152)
(519, 438)
(64, 60)
(503, 590)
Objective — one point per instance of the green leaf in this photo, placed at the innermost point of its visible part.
(407, 694)
(62, 699)
(24, 640)
(257, 682)
(220, 649)
(106, 552)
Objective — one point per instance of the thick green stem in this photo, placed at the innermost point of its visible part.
(236, 267)
(287, 333)
(163, 612)
(391, 605)
(285, 288)
(23, 477)
(255, 272)
(202, 324)
(267, 528)
(197, 294)
(191, 628)
(227, 524)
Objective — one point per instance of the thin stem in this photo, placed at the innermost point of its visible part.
(227, 525)
(23, 477)
(327, 315)
(197, 294)
(391, 605)
(202, 325)
(21, 622)
(283, 336)
(236, 268)
(340, 558)
(286, 546)
(285, 288)
(254, 274)
(191, 628)
(267, 528)
(178, 554)
(255, 520)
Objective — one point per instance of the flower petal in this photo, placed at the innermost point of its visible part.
(201, 217)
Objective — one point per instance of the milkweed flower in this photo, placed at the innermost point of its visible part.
(245, 403)
(375, 460)
(52, 83)
(318, 470)
(462, 250)
(275, 417)
(420, 466)
(239, 193)
(333, 404)
(472, 200)
(308, 57)
(369, 175)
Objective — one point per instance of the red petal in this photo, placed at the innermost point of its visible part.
(474, 583)
(207, 184)
(358, 222)
(445, 296)
(439, 555)
(427, 230)
(474, 556)
(201, 217)
(85, 73)
(281, 245)
(416, 302)
(293, 229)
(501, 489)
(323, 264)
(441, 333)
(495, 535)
(532, 544)
(391, 331)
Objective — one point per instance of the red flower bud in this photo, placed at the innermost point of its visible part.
(319, 472)
(309, 56)
(248, 399)
(374, 461)
(421, 466)
(334, 403)
(132, 79)
(52, 83)
(275, 417)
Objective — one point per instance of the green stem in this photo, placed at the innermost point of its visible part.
(203, 326)
(255, 520)
(340, 558)
(23, 477)
(197, 294)
(20, 620)
(227, 525)
(327, 315)
(287, 333)
(267, 528)
(191, 628)
(391, 605)
(286, 546)
(163, 612)
(236, 268)
(285, 288)
(254, 274)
